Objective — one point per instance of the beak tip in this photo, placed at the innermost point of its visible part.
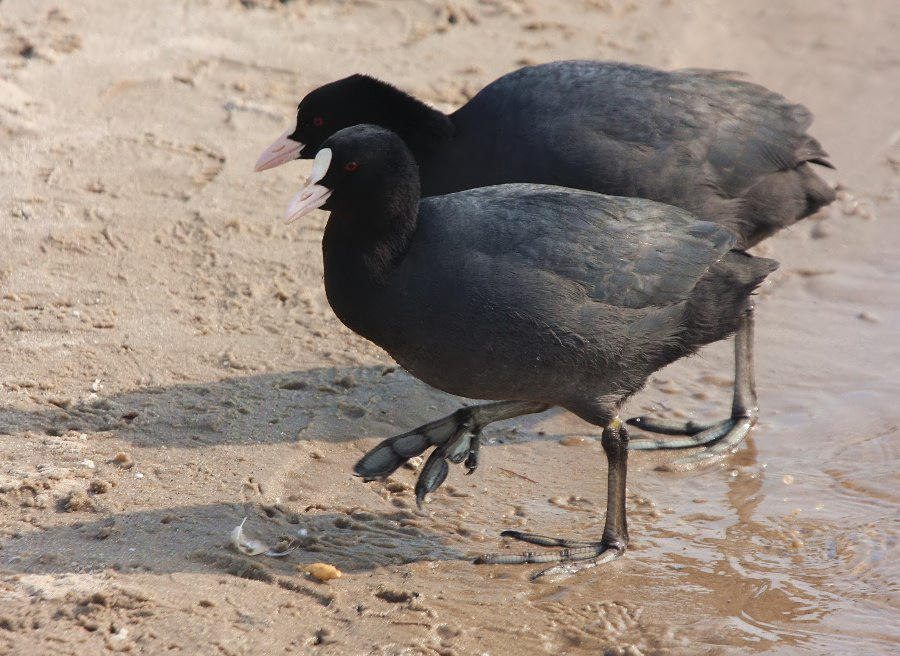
(263, 163)
(306, 200)
(283, 150)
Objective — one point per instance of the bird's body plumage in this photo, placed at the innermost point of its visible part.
(727, 150)
(495, 292)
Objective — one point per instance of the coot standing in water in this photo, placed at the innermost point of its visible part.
(728, 151)
(531, 295)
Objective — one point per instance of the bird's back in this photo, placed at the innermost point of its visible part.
(727, 150)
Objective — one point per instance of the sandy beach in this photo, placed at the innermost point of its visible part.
(170, 365)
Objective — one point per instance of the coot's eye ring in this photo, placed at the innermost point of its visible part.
(318, 121)
(350, 167)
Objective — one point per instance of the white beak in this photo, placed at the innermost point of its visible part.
(281, 151)
(313, 195)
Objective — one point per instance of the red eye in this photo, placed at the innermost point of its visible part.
(350, 167)
(318, 121)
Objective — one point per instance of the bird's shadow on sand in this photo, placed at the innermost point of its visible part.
(330, 404)
(196, 539)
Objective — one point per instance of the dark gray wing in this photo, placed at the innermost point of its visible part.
(625, 252)
(741, 130)
(750, 130)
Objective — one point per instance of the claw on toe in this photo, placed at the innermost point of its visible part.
(432, 475)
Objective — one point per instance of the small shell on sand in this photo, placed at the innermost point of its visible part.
(321, 571)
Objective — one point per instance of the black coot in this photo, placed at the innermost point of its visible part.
(730, 152)
(531, 295)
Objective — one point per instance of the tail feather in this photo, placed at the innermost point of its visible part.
(818, 192)
(717, 304)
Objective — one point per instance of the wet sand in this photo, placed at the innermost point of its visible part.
(171, 366)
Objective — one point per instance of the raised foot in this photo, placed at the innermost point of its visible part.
(454, 438)
(572, 556)
(719, 439)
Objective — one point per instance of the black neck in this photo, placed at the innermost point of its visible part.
(357, 264)
(424, 129)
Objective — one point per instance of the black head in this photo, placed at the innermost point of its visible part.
(365, 176)
(355, 100)
(332, 107)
